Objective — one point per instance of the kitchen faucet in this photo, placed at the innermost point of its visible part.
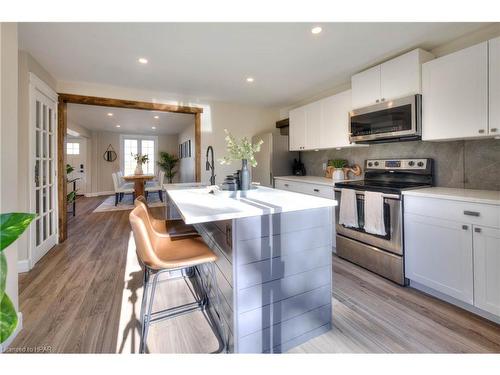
(210, 165)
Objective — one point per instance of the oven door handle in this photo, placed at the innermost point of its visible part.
(389, 196)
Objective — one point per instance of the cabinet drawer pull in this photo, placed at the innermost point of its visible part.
(286, 185)
(481, 131)
(376, 101)
(465, 227)
(471, 213)
(316, 190)
(493, 130)
(477, 230)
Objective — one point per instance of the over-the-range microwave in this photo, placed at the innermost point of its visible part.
(388, 121)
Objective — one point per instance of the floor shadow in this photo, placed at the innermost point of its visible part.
(133, 327)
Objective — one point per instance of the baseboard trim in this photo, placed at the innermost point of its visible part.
(23, 266)
(99, 193)
(470, 308)
(5, 345)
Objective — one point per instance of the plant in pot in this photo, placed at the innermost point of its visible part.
(168, 162)
(338, 172)
(12, 225)
(140, 159)
(243, 150)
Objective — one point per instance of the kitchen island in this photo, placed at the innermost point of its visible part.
(273, 270)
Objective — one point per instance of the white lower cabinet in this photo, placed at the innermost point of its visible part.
(487, 269)
(438, 254)
(453, 247)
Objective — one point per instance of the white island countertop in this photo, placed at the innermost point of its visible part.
(197, 205)
(464, 195)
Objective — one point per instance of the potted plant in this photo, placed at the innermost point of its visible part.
(140, 159)
(168, 162)
(242, 150)
(338, 172)
(12, 225)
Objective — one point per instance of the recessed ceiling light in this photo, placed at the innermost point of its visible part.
(316, 30)
(143, 60)
(157, 117)
(110, 114)
(117, 126)
(153, 127)
(250, 79)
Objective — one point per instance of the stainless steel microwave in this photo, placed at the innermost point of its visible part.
(389, 121)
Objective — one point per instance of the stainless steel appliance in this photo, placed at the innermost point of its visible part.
(274, 159)
(388, 121)
(383, 255)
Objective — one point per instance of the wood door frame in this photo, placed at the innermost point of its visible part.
(62, 127)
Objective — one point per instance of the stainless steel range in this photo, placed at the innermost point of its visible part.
(383, 255)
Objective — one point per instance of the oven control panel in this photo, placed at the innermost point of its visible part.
(396, 164)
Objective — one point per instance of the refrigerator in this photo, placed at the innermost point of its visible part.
(274, 159)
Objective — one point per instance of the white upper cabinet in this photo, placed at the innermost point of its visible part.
(313, 125)
(366, 87)
(494, 85)
(322, 124)
(297, 130)
(455, 95)
(335, 120)
(393, 79)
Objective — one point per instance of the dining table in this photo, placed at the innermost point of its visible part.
(139, 181)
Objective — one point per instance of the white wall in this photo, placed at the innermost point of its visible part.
(9, 143)
(186, 170)
(239, 119)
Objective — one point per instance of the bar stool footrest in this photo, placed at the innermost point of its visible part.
(177, 311)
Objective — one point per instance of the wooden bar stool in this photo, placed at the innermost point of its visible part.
(162, 253)
(170, 228)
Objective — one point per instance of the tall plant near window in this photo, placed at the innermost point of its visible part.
(168, 162)
(12, 225)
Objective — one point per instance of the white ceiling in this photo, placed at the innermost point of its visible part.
(212, 60)
(131, 121)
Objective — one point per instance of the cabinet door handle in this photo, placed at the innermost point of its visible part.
(465, 227)
(376, 101)
(383, 99)
(471, 213)
(493, 130)
(481, 131)
(477, 230)
(316, 190)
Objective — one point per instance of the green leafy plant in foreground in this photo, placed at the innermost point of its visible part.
(12, 225)
(240, 150)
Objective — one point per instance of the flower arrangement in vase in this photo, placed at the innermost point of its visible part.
(243, 150)
(140, 159)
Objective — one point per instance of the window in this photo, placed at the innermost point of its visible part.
(73, 148)
(137, 144)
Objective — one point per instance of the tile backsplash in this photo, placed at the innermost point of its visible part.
(471, 164)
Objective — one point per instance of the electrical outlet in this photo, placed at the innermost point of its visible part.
(324, 166)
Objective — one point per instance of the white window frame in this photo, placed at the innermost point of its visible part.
(73, 148)
(139, 137)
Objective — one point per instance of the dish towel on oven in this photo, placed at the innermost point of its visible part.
(348, 215)
(374, 213)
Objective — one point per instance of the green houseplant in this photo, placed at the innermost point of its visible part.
(12, 225)
(243, 150)
(338, 172)
(168, 162)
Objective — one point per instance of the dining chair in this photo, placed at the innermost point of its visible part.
(156, 186)
(121, 190)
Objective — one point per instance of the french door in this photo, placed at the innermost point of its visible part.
(43, 160)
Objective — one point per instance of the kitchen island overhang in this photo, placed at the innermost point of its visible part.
(273, 270)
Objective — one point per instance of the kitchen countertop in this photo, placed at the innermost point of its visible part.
(313, 180)
(465, 195)
(197, 205)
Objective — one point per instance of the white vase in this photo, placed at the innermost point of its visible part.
(338, 174)
(138, 169)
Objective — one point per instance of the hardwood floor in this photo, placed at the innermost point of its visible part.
(83, 297)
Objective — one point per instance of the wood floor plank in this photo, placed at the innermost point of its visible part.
(84, 297)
